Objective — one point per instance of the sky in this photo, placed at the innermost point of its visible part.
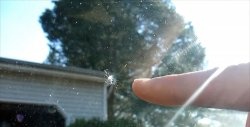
(21, 34)
(222, 26)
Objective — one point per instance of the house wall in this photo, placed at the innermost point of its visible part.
(75, 98)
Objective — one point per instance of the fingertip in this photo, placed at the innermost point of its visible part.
(137, 85)
(157, 90)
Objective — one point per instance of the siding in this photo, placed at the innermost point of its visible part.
(76, 98)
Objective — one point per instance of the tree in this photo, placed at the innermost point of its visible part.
(138, 38)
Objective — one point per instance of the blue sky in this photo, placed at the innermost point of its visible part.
(21, 35)
(222, 26)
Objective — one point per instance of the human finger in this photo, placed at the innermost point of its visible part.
(229, 90)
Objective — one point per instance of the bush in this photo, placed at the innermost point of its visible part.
(109, 123)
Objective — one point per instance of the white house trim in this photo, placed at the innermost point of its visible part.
(76, 92)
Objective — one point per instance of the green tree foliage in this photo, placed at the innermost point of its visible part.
(139, 38)
(184, 56)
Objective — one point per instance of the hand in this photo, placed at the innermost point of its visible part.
(229, 90)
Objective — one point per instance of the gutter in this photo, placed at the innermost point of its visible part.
(7, 65)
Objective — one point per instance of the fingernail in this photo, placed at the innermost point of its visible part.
(139, 86)
(140, 80)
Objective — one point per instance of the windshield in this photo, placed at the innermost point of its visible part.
(73, 62)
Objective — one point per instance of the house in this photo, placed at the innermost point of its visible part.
(37, 94)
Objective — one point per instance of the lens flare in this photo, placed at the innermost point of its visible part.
(195, 95)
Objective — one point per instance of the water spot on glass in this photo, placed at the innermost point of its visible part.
(77, 93)
(112, 19)
(52, 109)
(80, 3)
(19, 117)
(50, 95)
(125, 65)
(73, 88)
(76, 22)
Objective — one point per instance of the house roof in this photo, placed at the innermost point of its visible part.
(12, 65)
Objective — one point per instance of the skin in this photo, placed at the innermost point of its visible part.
(229, 90)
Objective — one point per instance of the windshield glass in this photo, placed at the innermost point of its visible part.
(73, 62)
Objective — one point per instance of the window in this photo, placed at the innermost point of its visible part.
(75, 60)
